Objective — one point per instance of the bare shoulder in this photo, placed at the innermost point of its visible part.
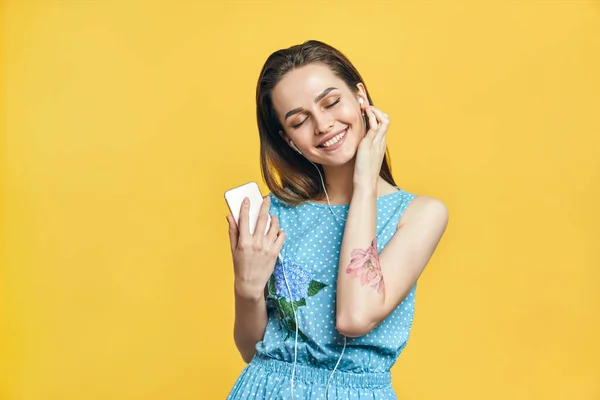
(425, 209)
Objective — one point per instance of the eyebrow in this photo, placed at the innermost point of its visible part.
(317, 99)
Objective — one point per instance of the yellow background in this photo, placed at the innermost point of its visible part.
(124, 122)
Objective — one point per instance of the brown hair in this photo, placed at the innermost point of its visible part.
(288, 174)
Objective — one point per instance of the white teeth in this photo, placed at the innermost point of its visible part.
(334, 139)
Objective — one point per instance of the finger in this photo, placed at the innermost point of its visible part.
(373, 124)
(263, 217)
(233, 232)
(273, 229)
(384, 121)
(381, 116)
(279, 241)
(244, 220)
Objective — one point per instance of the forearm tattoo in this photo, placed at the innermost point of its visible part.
(365, 265)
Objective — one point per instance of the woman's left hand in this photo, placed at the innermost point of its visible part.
(371, 150)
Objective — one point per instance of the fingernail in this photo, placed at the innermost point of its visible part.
(246, 200)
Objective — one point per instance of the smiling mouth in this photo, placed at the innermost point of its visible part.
(333, 140)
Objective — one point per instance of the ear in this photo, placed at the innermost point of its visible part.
(362, 92)
(285, 137)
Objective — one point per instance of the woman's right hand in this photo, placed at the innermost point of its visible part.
(254, 255)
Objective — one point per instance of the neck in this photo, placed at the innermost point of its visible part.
(340, 182)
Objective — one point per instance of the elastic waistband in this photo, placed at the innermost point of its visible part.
(317, 375)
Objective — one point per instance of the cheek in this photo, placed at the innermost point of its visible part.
(348, 115)
(353, 117)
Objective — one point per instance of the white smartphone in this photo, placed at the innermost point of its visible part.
(234, 198)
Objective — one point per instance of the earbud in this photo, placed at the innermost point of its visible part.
(361, 102)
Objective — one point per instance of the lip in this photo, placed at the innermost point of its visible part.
(332, 135)
(338, 144)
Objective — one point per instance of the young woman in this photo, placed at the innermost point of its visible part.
(324, 301)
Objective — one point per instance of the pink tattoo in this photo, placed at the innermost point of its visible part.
(365, 264)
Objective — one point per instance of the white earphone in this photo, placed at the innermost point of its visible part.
(294, 146)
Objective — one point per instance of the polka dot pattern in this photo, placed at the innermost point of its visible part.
(314, 237)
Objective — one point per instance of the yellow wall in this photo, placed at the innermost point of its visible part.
(124, 122)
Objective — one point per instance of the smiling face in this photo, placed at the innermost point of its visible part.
(320, 113)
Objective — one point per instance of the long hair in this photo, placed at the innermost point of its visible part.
(289, 175)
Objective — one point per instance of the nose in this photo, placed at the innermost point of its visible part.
(323, 123)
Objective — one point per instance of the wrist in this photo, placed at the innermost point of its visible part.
(247, 291)
(364, 190)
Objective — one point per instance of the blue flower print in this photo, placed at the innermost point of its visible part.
(298, 280)
(301, 285)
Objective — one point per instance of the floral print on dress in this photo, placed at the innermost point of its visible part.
(301, 286)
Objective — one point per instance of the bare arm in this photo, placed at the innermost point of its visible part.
(254, 257)
(372, 285)
(250, 324)
(360, 284)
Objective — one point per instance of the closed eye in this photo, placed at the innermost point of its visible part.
(334, 103)
(299, 124)
(327, 107)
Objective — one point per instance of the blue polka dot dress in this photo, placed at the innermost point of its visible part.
(303, 289)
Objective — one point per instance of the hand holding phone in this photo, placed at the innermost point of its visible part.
(235, 197)
(254, 254)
